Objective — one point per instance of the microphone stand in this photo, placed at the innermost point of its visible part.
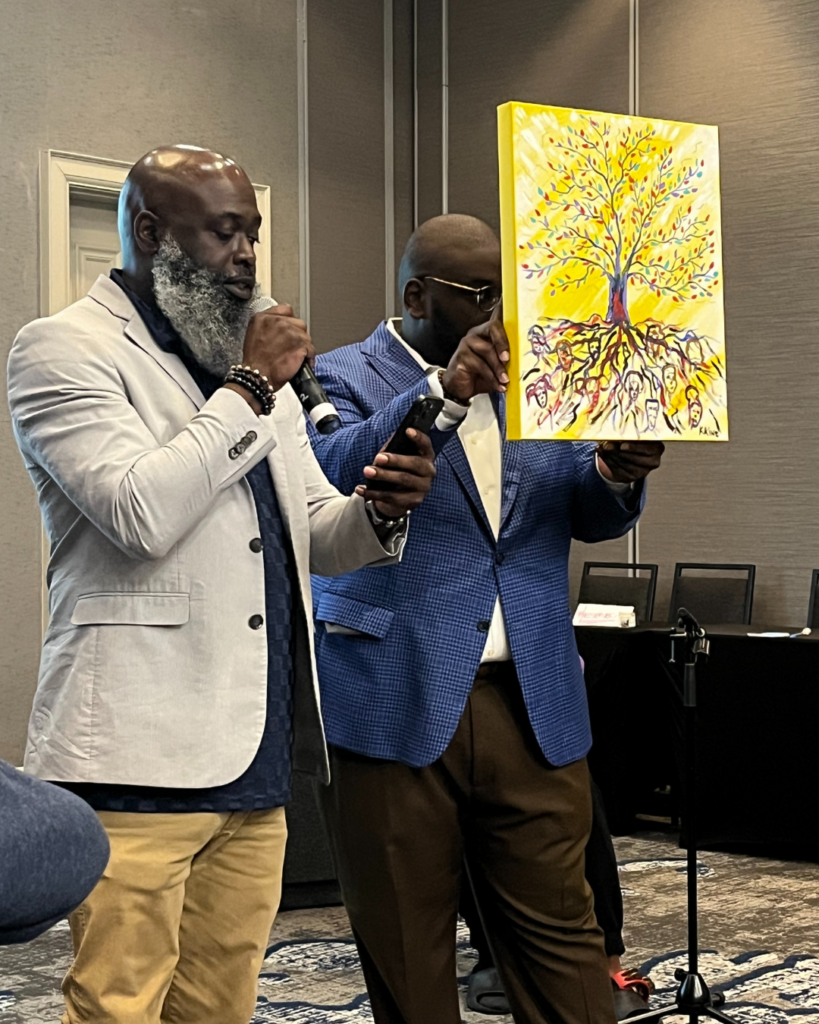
(693, 997)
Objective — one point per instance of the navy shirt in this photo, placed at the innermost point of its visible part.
(266, 783)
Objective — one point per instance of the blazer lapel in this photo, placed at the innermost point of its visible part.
(510, 465)
(455, 455)
(391, 361)
(139, 334)
(401, 371)
(110, 295)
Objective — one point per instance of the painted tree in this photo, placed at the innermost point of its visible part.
(619, 202)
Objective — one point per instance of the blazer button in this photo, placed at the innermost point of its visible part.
(483, 626)
(255, 622)
(250, 437)
(498, 558)
(256, 545)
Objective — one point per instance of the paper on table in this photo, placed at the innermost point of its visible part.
(770, 634)
(612, 615)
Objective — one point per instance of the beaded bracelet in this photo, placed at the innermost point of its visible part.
(256, 383)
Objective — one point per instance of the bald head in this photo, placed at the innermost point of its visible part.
(442, 244)
(201, 199)
(458, 250)
(169, 174)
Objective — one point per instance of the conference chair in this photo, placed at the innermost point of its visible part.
(714, 594)
(620, 583)
(813, 604)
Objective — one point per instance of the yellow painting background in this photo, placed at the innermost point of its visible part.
(525, 155)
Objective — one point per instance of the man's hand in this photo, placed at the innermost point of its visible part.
(624, 462)
(479, 363)
(276, 344)
(412, 476)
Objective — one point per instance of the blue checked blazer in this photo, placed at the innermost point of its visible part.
(397, 689)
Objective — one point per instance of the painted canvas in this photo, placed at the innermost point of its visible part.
(612, 276)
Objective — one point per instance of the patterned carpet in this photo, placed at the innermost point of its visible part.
(759, 936)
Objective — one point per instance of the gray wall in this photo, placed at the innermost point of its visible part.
(349, 237)
(114, 79)
(753, 69)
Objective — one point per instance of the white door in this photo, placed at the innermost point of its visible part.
(93, 238)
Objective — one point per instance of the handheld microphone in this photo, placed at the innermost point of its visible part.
(323, 414)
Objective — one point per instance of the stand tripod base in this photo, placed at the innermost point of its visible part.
(693, 1000)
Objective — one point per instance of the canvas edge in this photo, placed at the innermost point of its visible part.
(508, 234)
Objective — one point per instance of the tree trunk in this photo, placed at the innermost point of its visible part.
(618, 309)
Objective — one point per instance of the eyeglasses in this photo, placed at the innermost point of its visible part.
(487, 297)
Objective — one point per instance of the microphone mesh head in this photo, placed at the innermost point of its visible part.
(262, 303)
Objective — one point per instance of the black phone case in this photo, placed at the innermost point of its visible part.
(421, 415)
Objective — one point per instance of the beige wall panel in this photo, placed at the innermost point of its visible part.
(752, 68)
(113, 80)
(571, 53)
(404, 104)
(346, 100)
(429, 109)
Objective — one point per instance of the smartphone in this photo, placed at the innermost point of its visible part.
(421, 415)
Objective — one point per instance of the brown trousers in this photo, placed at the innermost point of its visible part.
(399, 835)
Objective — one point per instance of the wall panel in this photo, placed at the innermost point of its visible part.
(346, 119)
(429, 108)
(752, 68)
(404, 143)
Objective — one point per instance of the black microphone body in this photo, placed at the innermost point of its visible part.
(323, 414)
(317, 405)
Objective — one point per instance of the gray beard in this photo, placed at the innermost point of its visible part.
(210, 322)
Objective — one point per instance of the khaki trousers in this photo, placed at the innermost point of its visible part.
(399, 836)
(176, 930)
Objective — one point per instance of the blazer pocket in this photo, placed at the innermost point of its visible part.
(354, 615)
(142, 609)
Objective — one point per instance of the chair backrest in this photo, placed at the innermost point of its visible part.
(620, 583)
(813, 604)
(714, 594)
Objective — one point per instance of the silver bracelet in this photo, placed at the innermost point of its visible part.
(378, 520)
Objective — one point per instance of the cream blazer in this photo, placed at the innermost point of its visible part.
(150, 672)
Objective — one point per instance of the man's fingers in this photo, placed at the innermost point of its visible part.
(286, 313)
(497, 334)
(485, 351)
(494, 332)
(406, 472)
(643, 447)
(282, 309)
(422, 443)
(638, 458)
(390, 504)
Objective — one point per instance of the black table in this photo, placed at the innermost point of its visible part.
(758, 728)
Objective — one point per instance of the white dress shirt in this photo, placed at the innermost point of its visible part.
(480, 434)
(479, 431)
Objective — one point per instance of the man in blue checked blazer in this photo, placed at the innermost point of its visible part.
(451, 687)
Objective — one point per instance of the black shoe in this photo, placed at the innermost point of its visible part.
(485, 993)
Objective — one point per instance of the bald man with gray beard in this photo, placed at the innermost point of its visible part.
(185, 512)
